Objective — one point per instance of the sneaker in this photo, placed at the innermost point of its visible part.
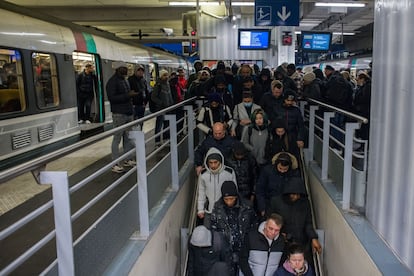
(87, 122)
(80, 122)
(129, 163)
(118, 169)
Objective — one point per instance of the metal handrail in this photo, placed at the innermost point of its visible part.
(316, 257)
(339, 110)
(34, 164)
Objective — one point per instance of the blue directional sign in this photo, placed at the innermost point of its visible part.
(276, 13)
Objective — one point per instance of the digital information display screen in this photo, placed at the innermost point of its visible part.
(316, 41)
(254, 39)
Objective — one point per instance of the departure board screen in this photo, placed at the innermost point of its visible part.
(254, 39)
(316, 41)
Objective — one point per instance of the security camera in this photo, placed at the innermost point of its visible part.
(167, 31)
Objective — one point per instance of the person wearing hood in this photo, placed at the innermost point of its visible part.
(295, 263)
(256, 136)
(273, 178)
(263, 248)
(210, 182)
(244, 166)
(207, 251)
(234, 217)
(265, 79)
(215, 111)
(281, 75)
(293, 118)
(221, 87)
(293, 205)
(281, 140)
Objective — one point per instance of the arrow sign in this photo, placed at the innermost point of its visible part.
(283, 15)
(276, 12)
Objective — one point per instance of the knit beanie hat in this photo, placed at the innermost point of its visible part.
(214, 156)
(214, 97)
(228, 189)
(309, 77)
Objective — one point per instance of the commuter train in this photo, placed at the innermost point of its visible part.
(355, 64)
(39, 62)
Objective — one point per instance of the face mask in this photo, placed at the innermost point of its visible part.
(248, 104)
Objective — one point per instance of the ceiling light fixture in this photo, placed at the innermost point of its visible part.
(240, 4)
(193, 4)
(345, 4)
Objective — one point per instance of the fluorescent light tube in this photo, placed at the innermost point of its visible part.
(348, 5)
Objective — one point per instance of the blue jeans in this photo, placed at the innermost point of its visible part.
(85, 102)
(339, 121)
(159, 123)
(127, 144)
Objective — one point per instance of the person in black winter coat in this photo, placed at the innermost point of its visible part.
(263, 248)
(119, 96)
(139, 85)
(206, 249)
(273, 178)
(281, 140)
(293, 118)
(219, 139)
(234, 217)
(265, 79)
(281, 75)
(244, 166)
(362, 103)
(86, 85)
(311, 86)
(293, 205)
(272, 102)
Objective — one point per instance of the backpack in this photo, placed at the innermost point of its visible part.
(338, 90)
(151, 104)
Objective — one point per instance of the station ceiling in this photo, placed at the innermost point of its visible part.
(129, 18)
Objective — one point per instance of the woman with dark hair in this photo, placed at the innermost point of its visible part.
(295, 263)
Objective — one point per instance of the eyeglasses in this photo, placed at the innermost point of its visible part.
(278, 86)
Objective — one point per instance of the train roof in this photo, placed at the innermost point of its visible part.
(25, 32)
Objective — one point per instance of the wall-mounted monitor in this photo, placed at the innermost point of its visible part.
(316, 41)
(254, 39)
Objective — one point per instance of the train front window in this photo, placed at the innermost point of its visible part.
(12, 97)
(45, 80)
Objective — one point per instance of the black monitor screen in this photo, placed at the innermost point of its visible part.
(316, 41)
(254, 39)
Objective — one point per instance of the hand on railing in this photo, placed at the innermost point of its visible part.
(316, 246)
(198, 170)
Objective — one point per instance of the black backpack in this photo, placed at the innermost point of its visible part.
(151, 104)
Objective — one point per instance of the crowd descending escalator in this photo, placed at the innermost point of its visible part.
(209, 251)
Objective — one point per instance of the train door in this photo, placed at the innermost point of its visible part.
(82, 62)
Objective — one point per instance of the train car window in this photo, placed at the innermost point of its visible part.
(12, 97)
(45, 80)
